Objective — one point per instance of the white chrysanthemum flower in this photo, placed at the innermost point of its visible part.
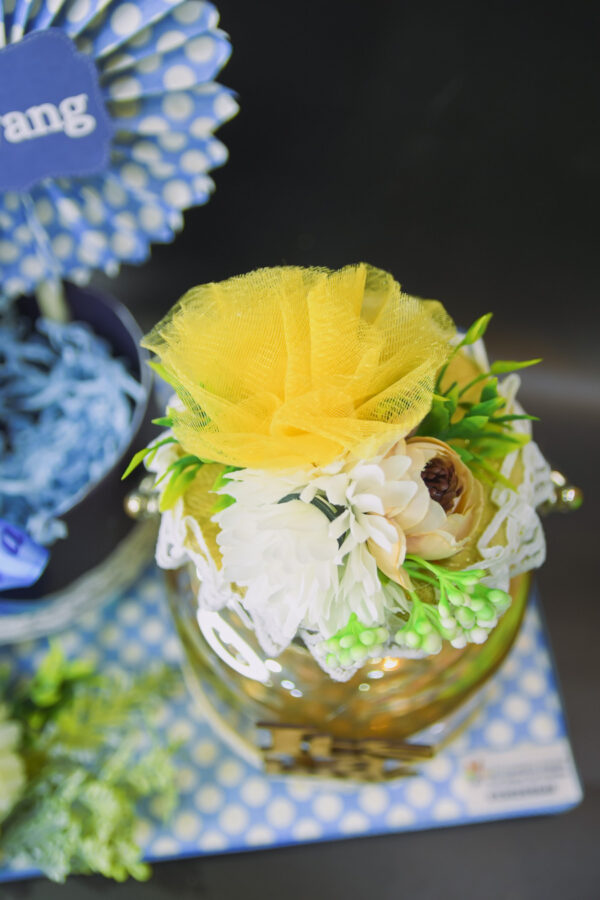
(297, 543)
(285, 557)
(359, 591)
(367, 491)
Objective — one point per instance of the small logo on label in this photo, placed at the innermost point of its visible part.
(525, 777)
(52, 118)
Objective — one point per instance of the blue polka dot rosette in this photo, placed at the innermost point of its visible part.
(512, 758)
(108, 110)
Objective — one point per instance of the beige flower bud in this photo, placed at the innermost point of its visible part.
(442, 514)
(455, 501)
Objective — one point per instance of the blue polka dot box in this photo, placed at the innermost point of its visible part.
(513, 758)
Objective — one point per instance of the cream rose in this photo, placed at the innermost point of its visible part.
(443, 512)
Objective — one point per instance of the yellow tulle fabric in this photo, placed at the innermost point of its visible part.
(290, 367)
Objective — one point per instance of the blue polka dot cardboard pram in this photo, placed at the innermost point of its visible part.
(63, 490)
(107, 118)
(153, 64)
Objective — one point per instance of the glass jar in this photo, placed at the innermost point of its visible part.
(389, 699)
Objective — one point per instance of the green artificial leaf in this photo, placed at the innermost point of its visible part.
(501, 366)
(178, 485)
(484, 429)
(221, 481)
(437, 419)
(163, 422)
(452, 397)
(178, 466)
(146, 452)
(467, 427)
(163, 373)
(136, 460)
(498, 446)
(466, 455)
(95, 757)
(501, 420)
(489, 390)
(51, 685)
(488, 473)
(223, 502)
(477, 330)
(483, 376)
(486, 407)
(180, 474)
(505, 437)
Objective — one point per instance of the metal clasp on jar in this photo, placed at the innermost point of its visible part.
(568, 497)
(143, 502)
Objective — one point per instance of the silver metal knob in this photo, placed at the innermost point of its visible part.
(143, 502)
(568, 497)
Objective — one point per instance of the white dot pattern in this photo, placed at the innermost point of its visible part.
(226, 804)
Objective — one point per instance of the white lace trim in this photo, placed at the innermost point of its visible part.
(180, 540)
(177, 537)
(524, 546)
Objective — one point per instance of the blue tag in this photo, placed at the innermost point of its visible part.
(52, 118)
(22, 561)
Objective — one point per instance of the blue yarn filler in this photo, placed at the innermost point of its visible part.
(66, 407)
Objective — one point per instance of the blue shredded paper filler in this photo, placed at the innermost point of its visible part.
(65, 412)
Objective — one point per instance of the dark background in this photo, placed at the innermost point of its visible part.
(457, 146)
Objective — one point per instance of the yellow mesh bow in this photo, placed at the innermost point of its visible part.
(290, 367)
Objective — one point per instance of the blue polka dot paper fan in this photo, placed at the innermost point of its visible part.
(108, 113)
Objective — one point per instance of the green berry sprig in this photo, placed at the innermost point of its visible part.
(353, 643)
(465, 613)
(423, 631)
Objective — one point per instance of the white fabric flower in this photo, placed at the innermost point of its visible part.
(285, 558)
(359, 591)
(279, 544)
(368, 492)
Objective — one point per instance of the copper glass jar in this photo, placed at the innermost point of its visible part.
(388, 700)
